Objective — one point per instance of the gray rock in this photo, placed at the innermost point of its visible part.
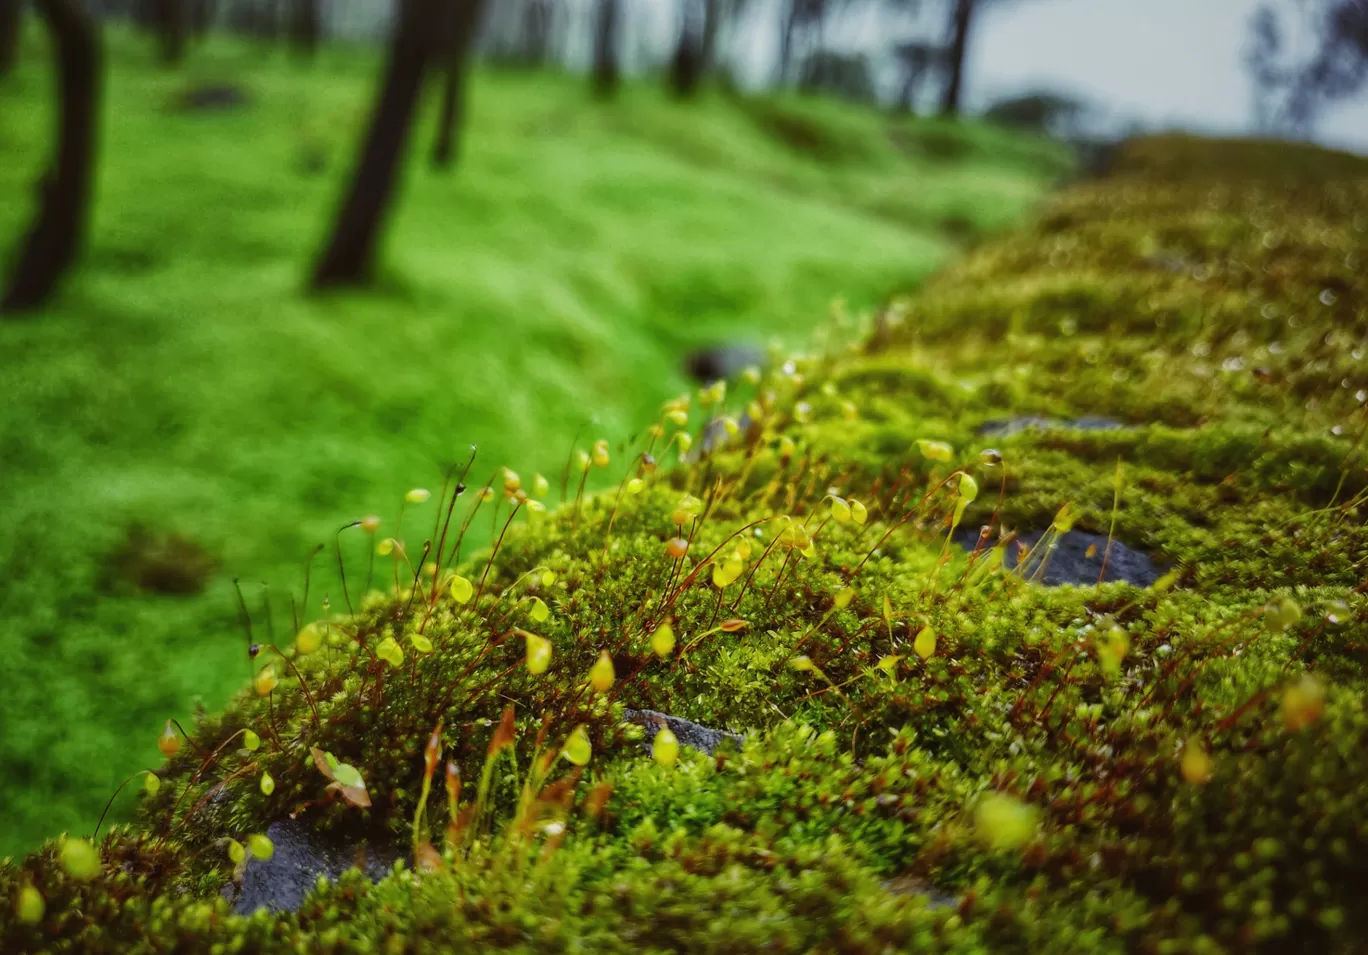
(1069, 563)
(722, 362)
(1008, 427)
(911, 885)
(301, 855)
(214, 96)
(715, 434)
(689, 734)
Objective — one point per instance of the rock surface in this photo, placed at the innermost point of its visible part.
(214, 96)
(1009, 427)
(1070, 561)
(721, 362)
(301, 856)
(689, 734)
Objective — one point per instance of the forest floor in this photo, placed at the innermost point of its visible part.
(185, 415)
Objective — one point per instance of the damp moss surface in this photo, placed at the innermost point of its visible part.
(939, 753)
(185, 413)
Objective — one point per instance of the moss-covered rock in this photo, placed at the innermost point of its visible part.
(940, 752)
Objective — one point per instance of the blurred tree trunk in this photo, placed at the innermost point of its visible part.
(697, 37)
(606, 73)
(171, 21)
(712, 17)
(349, 256)
(55, 237)
(306, 26)
(202, 13)
(11, 23)
(536, 33)
(959, 41)
(459, 41)
(786, 43)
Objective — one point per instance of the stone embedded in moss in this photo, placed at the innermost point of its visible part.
(1073, 558)
(300, 858)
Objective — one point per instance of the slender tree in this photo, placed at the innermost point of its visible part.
(54, 239)
(693, 53)
(11, 22)
(800, 16)
(917, 61)
(961, 19)
(463, 22)
(306, 26)
(1291, 92)
(349, 256)
(606, 72)
(172, 19)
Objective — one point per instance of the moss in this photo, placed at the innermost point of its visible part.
(1162, 775)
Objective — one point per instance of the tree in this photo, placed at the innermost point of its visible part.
(802, 15)
(171, 19)
(1289, 95)
(694, 51)
(11, 24)
(349, 256)
(463, 23)
(606, 72)
(917, 61)
(306, 26)
(961, 20)
(55, 238)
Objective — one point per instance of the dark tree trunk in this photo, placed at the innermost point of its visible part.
(55, 237)
(786, 43)
(202, 13)
(959, 42)
(606, 75)
(11, 23)
(691, 55)
(172, 23)
(349, 256)
(459, 40)
(712, 16)
(536, 33)
(306, 26)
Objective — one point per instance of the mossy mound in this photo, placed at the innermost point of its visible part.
(940, 753)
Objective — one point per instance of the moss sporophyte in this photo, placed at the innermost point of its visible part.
(942, 745)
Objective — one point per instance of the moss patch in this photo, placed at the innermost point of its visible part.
(940, 754)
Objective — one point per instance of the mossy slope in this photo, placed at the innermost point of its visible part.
(183, 390)
(1095, 768)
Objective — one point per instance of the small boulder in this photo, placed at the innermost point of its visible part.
(213, 96)
(722, 362)
(1076, 558)
(301, 855)
(689, 734)
(1010, 427)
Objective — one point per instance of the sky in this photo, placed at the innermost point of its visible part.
(1163, 62)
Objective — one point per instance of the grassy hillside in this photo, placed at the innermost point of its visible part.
(942, 752)
(185, 386)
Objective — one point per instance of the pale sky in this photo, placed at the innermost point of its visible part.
(1165, 62)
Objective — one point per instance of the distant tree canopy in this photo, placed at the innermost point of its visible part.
(1292, 90)
(847, 75)
(1044, 111)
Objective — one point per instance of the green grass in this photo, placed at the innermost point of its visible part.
(184, 382)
